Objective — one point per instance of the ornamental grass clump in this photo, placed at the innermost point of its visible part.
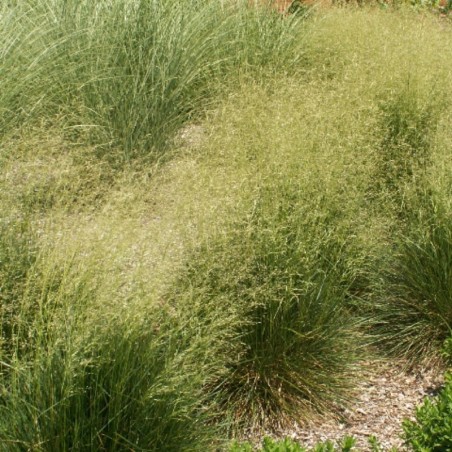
(83, 377)
(408, 123)
(414, 311)
(411, 298)
(405, 145)
(18, 253)
(131, 72)
(113, 391)
(279, 278)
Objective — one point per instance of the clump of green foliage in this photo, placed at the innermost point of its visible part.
(18, 252)
(164, 307)
(131, 72)
(280, 279)
(112, 384)
(447, 350)
(288, 445)
(409, 119)
(413, 277)
(415, 309)
(432, 429)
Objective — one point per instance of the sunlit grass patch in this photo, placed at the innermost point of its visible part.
(413, 304)
(133, 72)
(84, 377)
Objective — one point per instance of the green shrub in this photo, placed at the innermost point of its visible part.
(269, 445)
(447, 350)
(432, 429)
(288, 445)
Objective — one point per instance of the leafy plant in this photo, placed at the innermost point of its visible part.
(432, 429)
(447, 350)
(288, 445)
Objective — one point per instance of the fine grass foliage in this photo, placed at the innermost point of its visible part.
(166, 306)
(412, 276)
(281, 279)
(18, 251)
(409, 122)
(131, 72)
(415, 303)
(83, 377)
(109, 395)
(44, 172)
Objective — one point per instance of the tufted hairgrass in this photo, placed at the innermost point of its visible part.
(118, 383)
(280, 277)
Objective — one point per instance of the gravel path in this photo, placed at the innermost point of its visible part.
(385, 398)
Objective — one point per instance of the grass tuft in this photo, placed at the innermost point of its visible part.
(414, 310)
(280, 279)
(133, 72)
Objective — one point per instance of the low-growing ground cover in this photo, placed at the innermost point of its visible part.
(167, 287)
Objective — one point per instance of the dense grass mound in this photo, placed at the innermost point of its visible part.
(405, 284)
(280, 276)
(130, 73)
(413, 305)
(110, 387)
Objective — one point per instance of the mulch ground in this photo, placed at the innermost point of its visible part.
(388, 395)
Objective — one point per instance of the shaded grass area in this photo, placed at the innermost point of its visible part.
(237, 285)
